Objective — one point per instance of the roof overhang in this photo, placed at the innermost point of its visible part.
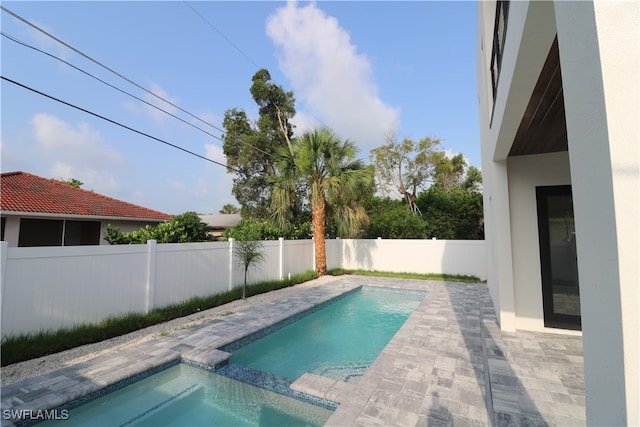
(80, 217)
(543, 127)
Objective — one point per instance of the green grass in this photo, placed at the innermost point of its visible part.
(428, 276)
(29, 346)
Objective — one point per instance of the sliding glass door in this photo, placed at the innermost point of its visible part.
(558, 257)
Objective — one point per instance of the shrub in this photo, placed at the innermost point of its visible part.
(183, 228)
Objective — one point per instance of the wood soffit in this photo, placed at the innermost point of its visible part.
(543, 127)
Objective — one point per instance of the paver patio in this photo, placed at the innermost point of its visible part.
(449, 364)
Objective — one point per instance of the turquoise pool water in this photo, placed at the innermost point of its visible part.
(340, 341)
(186, 396)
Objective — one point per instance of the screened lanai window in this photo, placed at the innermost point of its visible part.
(53, 232)
(81, 233)
(40, 232)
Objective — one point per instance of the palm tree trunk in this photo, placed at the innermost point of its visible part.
(317, 216)
(244, 285)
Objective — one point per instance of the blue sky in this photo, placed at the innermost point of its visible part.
(361, 68)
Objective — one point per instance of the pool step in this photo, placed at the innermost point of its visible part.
(348, 372)
(206, 357)
(322, 387)
(273, 383)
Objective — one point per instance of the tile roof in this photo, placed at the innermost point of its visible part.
(24, 192)
(221, 220)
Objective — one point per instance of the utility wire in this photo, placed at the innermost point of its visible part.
(243, 53)
(120, 75)
(222, 35)
(116, 123)
(15, 40)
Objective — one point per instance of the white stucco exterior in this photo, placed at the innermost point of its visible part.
(525, 174)
(598, 45)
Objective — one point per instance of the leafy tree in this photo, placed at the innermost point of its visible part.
(337, 185)
(455, 214)
(473, 180)
(404, 166)
(390, 219)
(448, 171)
(229, 209)
(183, 228)
(453, 173)
(255, 229)
(276, 108)
(250, 155)
(250, 148)
(452, 206)
(248, 253)
(71, 181)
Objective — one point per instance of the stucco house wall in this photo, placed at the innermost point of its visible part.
(598, 47)
(525, 174)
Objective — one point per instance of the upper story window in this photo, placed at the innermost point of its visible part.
(499, 32)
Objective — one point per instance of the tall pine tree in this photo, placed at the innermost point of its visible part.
(250, 147)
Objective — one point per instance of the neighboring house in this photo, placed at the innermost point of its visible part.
(219, 222)
(558, 86)
(38, 211)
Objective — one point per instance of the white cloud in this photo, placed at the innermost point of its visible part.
(329, 75)
(304, 121)
(77, 152)
(215, 153)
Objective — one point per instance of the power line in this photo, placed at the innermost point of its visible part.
(102, 65)
(222, 35)
(243, 53)
(15, 40)
(116, 123)
(125, 78)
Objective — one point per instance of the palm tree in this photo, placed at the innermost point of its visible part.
(248, 253)
(337, 182)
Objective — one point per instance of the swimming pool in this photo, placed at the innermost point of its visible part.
(186, 396)
(340, 341)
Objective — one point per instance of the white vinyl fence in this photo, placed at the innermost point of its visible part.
(46, 288)
(464, 257)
